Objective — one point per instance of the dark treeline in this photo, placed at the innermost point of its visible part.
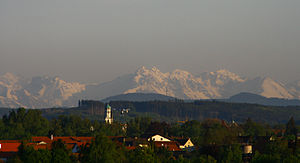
(214, 139)
(178, 110)
(200, 110)
(22, 124)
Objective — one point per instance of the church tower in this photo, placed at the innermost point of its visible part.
(108, 118)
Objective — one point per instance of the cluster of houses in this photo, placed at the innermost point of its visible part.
(9, 148)
(174, 144)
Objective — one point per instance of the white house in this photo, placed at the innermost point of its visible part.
(186, 144)
(158, 138)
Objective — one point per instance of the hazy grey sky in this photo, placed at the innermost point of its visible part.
(98, 40)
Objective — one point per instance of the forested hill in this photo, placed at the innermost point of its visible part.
(173, 111)
(258, 99)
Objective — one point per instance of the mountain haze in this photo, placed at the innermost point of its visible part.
(39, 92)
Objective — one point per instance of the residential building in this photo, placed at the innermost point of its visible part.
(158, 138)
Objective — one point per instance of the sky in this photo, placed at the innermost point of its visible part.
(98, 40)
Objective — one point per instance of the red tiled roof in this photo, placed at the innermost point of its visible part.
(130, 147)
(83, 139)
(171, 145)
(278, 131)
(39, 146)
(9, 147)
(10, 141)
(40, 139)
(69, 141)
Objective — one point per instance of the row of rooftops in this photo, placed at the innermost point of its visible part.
(9, 148)
(43, 142)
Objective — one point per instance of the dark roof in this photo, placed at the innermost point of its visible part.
(181, 141)
(129, 142)
(171, 145)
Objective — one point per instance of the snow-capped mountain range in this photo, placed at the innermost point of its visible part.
(41, 92)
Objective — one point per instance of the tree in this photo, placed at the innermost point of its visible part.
(253, 129)
(158, 128)
(34, 123)
(265, 158)
(59, 152)
(28, 154)
(279, 147)
(291, 159)
(291, 128)
(102, 149)
(205, 159)
(143, 155)
(214, 132)
(22, 124)
(138, 126)
(231, 154)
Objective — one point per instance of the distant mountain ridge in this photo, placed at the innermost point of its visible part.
(38, 92)
(41, 92)
(251, 98)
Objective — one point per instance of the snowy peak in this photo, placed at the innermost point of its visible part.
(44, 91)
(144, 75)
(141, 70)
(9, 79)
(37, 92)
(294, 88)
(144, 71)
(219, 84)
(180, 74)
(272, 88)
(182, 84)
(225, 75)
(149, 80)
(154, 69)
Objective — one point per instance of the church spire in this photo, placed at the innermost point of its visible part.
(108, 118)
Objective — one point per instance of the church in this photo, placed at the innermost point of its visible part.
(108, 118)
